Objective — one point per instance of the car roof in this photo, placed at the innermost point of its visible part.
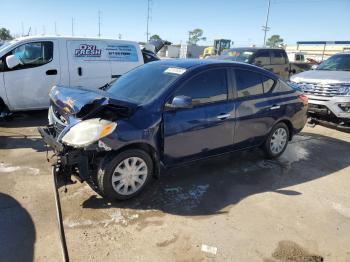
(55, 37)
(255, 48)
(204, 63)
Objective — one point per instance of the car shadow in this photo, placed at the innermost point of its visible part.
(17, 231)
(25, 119)
(208, 187)
(13, 136)
(18, 141)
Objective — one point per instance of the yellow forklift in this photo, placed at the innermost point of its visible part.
(219, 46)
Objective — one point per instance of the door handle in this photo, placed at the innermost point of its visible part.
(80, 71)
(223, 116)
(51, 72)
(275, 107)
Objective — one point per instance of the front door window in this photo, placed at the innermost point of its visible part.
(33, 54)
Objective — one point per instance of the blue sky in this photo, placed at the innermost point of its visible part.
(238, 20)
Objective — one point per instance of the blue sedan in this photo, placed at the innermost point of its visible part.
(168, 113)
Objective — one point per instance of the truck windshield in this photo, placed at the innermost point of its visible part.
(336, 63)
(239, 55)
(146, 82)
(6, 44)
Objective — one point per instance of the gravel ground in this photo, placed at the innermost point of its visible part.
(240, 207)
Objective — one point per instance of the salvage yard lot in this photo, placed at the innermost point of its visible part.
(249, 208)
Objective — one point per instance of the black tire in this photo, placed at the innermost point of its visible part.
(106, 170)
(4, 111)
(267, 145)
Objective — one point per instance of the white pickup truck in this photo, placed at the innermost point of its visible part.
(30, 66)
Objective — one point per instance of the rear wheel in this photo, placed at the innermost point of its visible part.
(126, 175)
(4, 112)
(277, 141)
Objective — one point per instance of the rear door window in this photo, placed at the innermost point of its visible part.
(207, 87)
(248, 83)
(262, 58)
(278, 57)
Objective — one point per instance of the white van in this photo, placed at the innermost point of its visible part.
(30, 66)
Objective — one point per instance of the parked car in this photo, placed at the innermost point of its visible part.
(168, 113)
(30, 66)
(328, 90)
(272, 59)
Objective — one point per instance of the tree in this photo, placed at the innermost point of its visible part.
(5, 34)
(195, 36)
(274, 41)
(155, 37)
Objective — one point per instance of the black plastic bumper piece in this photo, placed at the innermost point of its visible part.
(49, 139)
(68, 157)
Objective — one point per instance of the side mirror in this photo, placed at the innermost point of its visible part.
(12, 61)
(180, 102)
(314, 67)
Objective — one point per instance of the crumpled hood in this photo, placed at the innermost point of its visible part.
(83, 101)
(322, 76)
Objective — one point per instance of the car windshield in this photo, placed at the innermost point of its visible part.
(238, 55)
(336, 63)
(146, 82)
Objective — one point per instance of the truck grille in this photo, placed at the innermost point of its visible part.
(324, 89)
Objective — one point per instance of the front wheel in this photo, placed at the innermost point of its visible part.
(277, 141)
(126, 175)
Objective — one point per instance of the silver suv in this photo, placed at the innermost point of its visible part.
(328, 89)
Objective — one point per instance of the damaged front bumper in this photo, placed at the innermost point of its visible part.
(70, 161)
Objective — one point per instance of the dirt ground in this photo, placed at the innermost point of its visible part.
(240, 207)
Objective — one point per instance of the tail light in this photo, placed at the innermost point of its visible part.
(304, 99)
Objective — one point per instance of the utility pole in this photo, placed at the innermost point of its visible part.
(99, 23)
(72, 26)
(148, 17)
(22, 28)
(55, 28)
(266, 28)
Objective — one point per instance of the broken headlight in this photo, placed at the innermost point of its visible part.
(88, 131)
